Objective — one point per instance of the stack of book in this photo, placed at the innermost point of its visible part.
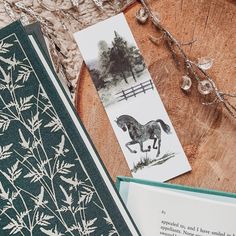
(52, 181)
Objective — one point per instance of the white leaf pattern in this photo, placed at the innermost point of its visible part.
(23, 75)
(3, 194)
(4, 123)
(51, 232)
(4, 47)
(5, 151)
(55, 124)
(25, 144)
(25, 103)
(43, 219)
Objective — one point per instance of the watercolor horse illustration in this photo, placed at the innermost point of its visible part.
(140, 133)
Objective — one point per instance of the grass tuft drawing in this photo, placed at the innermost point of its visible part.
(148, 162)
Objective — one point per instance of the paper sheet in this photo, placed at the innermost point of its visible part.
(133, 105)
(158, 212)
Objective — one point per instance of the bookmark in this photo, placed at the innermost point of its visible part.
(132, 103)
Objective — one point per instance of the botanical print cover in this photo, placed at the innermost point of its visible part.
(51, 180)
(133, 105)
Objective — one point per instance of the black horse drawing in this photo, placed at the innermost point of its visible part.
(140, 133)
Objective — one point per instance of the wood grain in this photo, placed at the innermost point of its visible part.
(208, 134)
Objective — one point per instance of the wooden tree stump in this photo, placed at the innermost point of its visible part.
(207, 133)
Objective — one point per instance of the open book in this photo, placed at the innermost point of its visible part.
(174, 210)
(52, 181)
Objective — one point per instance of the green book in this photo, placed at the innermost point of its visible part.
(52, 181)
(174, 210)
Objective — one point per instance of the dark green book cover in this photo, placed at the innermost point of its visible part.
(52, 181)
(35, 30)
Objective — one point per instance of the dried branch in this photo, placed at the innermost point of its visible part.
(193, 70)
(189, 43)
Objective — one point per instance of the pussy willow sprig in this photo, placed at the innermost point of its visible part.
(193, 70)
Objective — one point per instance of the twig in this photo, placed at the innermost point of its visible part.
(189, 43)
(192, 68)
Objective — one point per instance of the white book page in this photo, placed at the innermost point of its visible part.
(159, 211)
